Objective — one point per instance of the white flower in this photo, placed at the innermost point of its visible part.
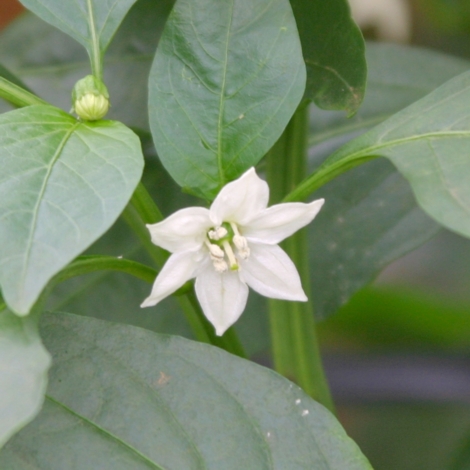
(229, 247)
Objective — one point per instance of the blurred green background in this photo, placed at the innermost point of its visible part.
(398, 354)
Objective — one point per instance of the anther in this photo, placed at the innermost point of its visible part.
(217, 257)
(218, 233)
(240, 242)
(215, 251)
(242, 246)
(220, 265)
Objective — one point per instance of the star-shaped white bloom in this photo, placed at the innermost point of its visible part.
(229, 247)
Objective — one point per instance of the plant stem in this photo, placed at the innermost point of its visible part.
(293, 334)
(92, 263)
(143, 210)
(323, 175)
(96, 56)
(18, 96)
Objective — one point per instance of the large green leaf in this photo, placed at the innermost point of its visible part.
(226, 79)
(63, 184)
(333, 49)
(23, 372)
(135, 399)
(371, 216)
(370, 219)
(50, 62)
(90, 22)
(429, 143)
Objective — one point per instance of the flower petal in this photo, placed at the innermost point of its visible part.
(222, 297)
(241, 200)
(182, 231)
(179, 268)
(278, 222)
(270, 272)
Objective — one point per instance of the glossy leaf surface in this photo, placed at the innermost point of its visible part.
(334, 54)
(135, 399)
(63, 184)
(371, 216)
(226, 79)
(23, 373)
(429, 143)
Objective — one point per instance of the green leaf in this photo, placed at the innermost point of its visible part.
(90, 22)
(397, 77)
(63, 184)
(370, 219)
(115, 296)
(226, 79)
(50, 62)
(23, 372)
(428, 142)
(371, 216)
(333, 49)
(135, 399)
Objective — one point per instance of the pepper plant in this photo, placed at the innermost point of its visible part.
(176, 144)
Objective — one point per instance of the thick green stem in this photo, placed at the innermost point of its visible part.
(18, 96)
(293, 334)
(143, 210)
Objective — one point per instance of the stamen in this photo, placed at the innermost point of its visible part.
(230, 255)
(218, 233)
(242, 246)
(234, 228)
(240, 242)
(220, 265)
(215, 251)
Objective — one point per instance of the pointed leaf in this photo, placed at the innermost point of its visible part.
(334, 50)
(90, 22)
(226, 79)
(23, 373)
(371, 216)
(136, 399)
(429, 143)
(63, 184)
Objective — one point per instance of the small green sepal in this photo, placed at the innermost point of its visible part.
(90, 99)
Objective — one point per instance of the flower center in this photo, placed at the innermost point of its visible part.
(222, 243)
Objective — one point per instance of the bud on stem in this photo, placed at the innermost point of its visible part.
(90, 99)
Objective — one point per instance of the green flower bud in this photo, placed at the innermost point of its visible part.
(90, 99)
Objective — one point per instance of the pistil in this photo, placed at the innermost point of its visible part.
(230, 255)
